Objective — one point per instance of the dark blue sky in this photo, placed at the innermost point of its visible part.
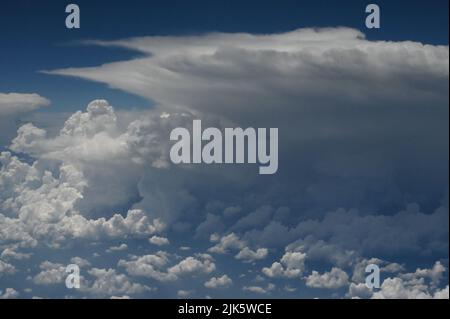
(33, 36)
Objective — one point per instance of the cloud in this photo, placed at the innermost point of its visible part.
(6, 269)
(201, 264)
(150, 266)
(347, 109)
(10, 293)
(421, 284)
(334, 279)
(291, 265)
(159, 241)
(121, 247)
(260, 290)
(107, 282)
(305, 63)
(249, 255)
(11, 253)
(218, 282)
(51, 274)
(17, 103)
(184, 293)
(230, 241)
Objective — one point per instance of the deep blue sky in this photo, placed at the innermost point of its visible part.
(33, 35)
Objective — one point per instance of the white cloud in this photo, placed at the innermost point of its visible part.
(219, 282)
(359, 291)
(6, 269)
(156, 266)
(234, 68)
(441, 294)
(51, 274)
(421, 284)
(201, 264)
(226, 243)
(260, 290)
(150, 266)
(121, 247)
(107, 282)
(16, 103)
(291, 265)
(249, 255)
(159, 241)
(184, 293)
(80, 262)
(334, 279)
(10, 293)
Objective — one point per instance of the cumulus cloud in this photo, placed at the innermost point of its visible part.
(226, 243)
(159, 241)
(334, 279)
(218, 282)
(107, 282)
(51, 274)
(249, 255)
(291, 265)
(201, 264)
(421, 284)
(150, 266)
(9, 293)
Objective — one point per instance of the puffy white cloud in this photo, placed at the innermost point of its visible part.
(159, 241)
(441, 294)
(156, 266)
(334, 279)
(201, 264)
(359, 270)
(291, 265)
(218, 282)
(150, 266)
(9, 293)
(359, 291)
(249, 255)
(226, 243)
(107, 282)
(421, 284)
(16, 103)
(396, 288)
(80, 262)
(435, 274)
(51, 274)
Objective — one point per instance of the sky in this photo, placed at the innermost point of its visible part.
(85, 178)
